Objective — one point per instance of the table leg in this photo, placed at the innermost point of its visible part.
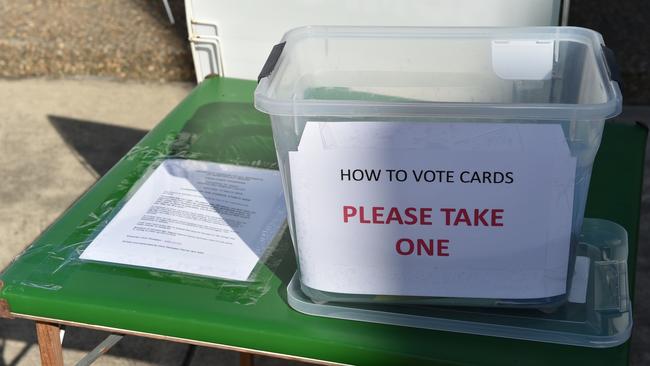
(49, 343)
(246, 359)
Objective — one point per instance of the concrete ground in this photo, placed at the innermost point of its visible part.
(120, 39)
(76, 131)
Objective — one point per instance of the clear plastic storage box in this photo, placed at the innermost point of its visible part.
(386, 93)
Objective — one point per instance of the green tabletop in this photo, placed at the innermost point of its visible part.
(218, 122)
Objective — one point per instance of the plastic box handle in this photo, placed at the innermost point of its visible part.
(612, 66)
(269, 65)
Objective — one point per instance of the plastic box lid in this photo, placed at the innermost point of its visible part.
(547, 73)
(598, 314)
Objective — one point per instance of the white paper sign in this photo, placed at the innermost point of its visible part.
(196, 217)
(461, 210)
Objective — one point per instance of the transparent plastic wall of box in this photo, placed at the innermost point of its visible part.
(431, 75)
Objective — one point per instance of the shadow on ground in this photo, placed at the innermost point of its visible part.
(83, 340)
(98, 145)
(18, 329)
(157, 12)
(130, 350)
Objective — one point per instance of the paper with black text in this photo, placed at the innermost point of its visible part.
(196, 217)
(479, 210)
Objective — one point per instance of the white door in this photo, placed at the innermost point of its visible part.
(233, 37)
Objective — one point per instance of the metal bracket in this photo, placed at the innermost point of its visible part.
(612, 66)
(566, 6)
(101, 348)
(273, 58)
(203, 22)
(215, 59)
(213, 41)
(170, 15)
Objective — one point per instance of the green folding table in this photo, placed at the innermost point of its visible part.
(49, 284)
